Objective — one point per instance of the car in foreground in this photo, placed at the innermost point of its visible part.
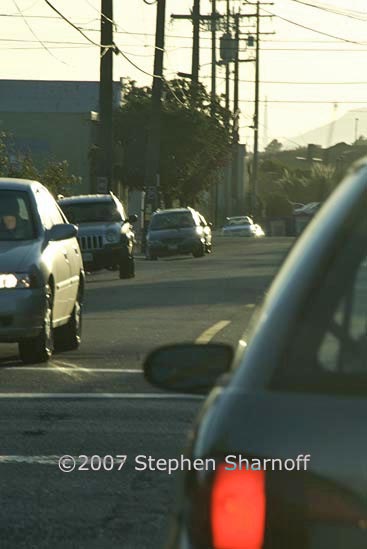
(105, 232)
(178, 231)
(281, 439)
(41, 272)
(241, 226)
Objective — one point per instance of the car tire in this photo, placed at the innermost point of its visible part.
(199, 252)
(40, 348)
(150, 257)
(127, 268)
(68, 337)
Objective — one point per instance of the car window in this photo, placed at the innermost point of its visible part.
(16, 219)
(171, 221)
(92, 211)
(48, 209)
(329, 346)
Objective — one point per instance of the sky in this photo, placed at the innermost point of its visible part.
(307, 77)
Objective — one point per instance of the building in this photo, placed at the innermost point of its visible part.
(54, 120)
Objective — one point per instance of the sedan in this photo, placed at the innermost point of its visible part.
(278, 454)
(41, 272)
(241, 226)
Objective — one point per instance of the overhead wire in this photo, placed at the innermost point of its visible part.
(41, 42)
(291, 22)
(108, 46)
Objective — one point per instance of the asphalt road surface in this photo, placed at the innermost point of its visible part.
(95, 402)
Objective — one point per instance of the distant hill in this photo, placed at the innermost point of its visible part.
(344, 131)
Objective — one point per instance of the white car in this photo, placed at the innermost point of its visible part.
(241, 226)
(41, 272)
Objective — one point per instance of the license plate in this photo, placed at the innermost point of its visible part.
(173, 247)
(87, 256)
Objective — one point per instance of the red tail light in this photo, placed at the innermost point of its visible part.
(238, 509)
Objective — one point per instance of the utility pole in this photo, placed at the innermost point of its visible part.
(152, 168)
(195, 17)
(195, 43)
(227, 64)
(214, 57)
(255, 164)
(105, 179)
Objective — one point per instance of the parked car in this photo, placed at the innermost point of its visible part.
(105, 233)
(241, 226)
(41, 272)
(178, 231)
(293, 401)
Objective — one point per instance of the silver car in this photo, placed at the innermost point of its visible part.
(241, 226)
(41, 272)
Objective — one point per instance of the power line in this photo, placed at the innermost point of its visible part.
(305, 101)
(330, 9)
(77, 28)
(313, 30)
(35, 35)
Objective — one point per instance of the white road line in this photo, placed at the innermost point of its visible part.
(111, 396)
(72, 369)
(208, 334)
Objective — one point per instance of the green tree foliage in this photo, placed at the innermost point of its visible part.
(54, 175)
(312, 186)
(273, 147)
(194, 145)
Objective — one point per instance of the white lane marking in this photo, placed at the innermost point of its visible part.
(62, 370)
(74, 369)
(208, 334)
(112, 396)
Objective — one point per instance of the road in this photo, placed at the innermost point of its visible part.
(95, 401)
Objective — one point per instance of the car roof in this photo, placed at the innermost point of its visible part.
(14, 183)
(87, 198)
(173, 210)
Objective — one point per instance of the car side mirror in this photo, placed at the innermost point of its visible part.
(210, 224)
(188, 367)
(62, 231)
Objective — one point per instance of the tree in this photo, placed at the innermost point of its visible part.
(194, 145)
(54, 175)
(273, 147)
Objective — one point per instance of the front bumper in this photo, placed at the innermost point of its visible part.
(164, 249)
(21, 313)
(104, 257)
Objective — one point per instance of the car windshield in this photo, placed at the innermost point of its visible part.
(16, 221)
(176, 220)
(91, 211)
(238, 221)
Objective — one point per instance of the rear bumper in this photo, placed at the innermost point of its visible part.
(163, 249)
(21, 314)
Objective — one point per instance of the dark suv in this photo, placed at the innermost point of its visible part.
(105, 234)
(178, 231)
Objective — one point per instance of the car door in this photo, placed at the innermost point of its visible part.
(57, 256)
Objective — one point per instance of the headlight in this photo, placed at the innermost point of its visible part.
(15, 280)
(112, 236)
(199, 231)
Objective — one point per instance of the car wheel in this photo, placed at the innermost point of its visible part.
(40, 348)
(150, 256)
(199, 252)
(68, 337)
(127, 268)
